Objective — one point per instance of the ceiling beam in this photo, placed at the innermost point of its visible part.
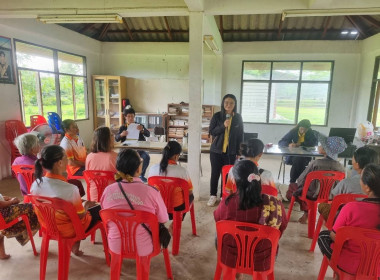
(258, 31)
(280, 28)
(104, 31)
(128, 29)
(168, 28)
(372, 21)
(221, 29)
(195, 5)
(355, 24)
(327, 23)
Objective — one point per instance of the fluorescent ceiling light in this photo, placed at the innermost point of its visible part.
(105, 18)
(354, 32)
(330, 12)
(210, 43)
(344, 32)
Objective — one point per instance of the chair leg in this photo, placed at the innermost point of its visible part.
(218, 272)
(26, 221)
(316, 233)
(43, 255)
(115, 269)
(93, 237)
(64, 252)
(142, 268)
(323, 269)
(192, 216)
(279, 171)
(177, 225)
(283, 173)
(105, 244)
(270, 276)
(229, 273)
(168, 266)
(290, 208)
(312, 214)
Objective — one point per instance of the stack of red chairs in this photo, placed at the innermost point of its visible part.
(14, 128)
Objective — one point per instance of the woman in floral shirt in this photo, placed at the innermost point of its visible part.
(249, 205)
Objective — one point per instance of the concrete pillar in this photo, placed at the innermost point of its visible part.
(195, 98)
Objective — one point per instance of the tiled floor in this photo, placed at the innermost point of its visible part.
(197, 256)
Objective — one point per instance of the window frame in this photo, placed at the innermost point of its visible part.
(372, 98)
(299, 82)
(57, 74)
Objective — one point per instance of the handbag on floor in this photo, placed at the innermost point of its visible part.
(164, 234)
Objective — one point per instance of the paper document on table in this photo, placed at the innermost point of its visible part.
(129, 142)
(133, 132)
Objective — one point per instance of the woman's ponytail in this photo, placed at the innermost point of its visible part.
(38, 171)
(171, 149)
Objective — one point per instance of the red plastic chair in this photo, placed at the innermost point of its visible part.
(36, 120)
(71, 176)
(369, 242)
(335, 205)
(246, 236)
(167, 186)
(326, 181)
(14, 128)
(127, 222)
(5, 225)
(26, 172)
(225, 170)
(101, 179)
(47, 208)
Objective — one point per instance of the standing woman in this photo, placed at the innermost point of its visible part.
(226, 128)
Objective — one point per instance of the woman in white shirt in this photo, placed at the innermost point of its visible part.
(169, 167)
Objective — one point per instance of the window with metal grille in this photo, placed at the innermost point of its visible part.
(285, 92)
(51, 80)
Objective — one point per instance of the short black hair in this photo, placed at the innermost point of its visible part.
(252, 148)
(304, 123)
(128, 161)
(364, 156)
(128, 111)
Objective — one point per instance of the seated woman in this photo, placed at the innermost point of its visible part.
(27, 145)
(74, 147)
(301, 135)
(53, 184)
(363, 214)
(129, 115)
(141, 196)
(169, 167)
(330, 147)
(253, 150)
(101, 157)
(360, 159)
(10, 209)
(249, 205)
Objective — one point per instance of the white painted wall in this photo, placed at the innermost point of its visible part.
(54, 36)
(369, 51)
(160, 68)
(345, 54)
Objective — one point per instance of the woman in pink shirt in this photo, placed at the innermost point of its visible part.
(101, 157)
(142, 197)
(363, 214)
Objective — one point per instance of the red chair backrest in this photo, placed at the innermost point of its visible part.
(247, 236)
(127, 222)
(369, 242)
(27, 173)
(167, 186)
(337, 202)
(225, 170)
(46, 208)
(326, 182)
(14, 128)
(36, 120)
(100, 178)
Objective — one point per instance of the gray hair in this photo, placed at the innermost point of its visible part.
(26, 142)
